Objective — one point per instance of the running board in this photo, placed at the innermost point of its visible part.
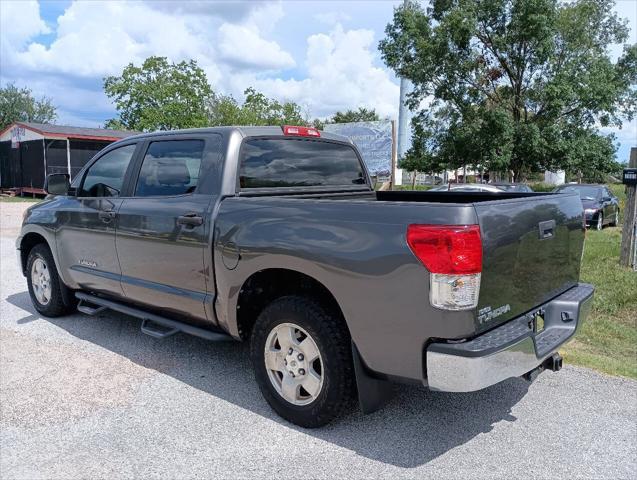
(88, 310)
(148, 319)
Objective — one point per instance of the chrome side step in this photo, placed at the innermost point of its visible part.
(150, 321)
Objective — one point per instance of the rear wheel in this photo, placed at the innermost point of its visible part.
(615, 221)
(600, 221)
(302, 360)
(45, 287)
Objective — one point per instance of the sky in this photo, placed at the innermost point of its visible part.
(320, 54)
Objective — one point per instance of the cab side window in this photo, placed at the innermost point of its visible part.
(106, 176)
(170, 168)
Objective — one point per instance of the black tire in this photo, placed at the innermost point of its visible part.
(333, 342)
(599, 226)
(61, 301)
(615, 221)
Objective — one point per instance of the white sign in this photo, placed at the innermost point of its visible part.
(373, 140)
(17, 134)
(555, 178)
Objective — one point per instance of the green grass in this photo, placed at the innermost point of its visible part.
(608, 340)
(619, 191)
(415, 187)
(542, 187)
(8, 199)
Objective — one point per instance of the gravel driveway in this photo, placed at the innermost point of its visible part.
(93, 398)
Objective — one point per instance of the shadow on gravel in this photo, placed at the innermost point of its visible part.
(414, 428)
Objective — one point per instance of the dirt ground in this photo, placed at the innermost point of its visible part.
(11, 217)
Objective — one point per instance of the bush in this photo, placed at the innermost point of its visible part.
(542, 187)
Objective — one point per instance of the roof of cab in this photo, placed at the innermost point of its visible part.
(246, 131)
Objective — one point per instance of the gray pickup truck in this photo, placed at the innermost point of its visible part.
(275, 235)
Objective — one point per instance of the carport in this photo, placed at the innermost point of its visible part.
(31, 151)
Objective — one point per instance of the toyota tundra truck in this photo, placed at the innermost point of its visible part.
(276, 236)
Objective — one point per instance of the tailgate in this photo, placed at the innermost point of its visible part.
(532, 249)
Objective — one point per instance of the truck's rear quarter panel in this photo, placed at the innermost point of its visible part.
(358, 251)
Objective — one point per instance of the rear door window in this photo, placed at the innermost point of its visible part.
(288, 162)
(170, 168)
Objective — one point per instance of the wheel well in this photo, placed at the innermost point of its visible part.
(263, 287)
(29, 241)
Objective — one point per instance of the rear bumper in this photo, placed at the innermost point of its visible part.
(510, 350)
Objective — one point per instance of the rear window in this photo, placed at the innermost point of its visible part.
(298, 163)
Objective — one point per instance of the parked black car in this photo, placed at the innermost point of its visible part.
(601, 207)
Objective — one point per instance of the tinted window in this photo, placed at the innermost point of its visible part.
(298, 163)
(170, 168)
(105, 177)
(586, 192)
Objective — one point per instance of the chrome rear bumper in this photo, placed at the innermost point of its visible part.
(510, 350)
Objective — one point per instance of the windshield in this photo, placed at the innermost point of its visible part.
(586, 192)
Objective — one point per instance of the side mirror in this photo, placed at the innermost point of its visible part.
(606, 199)
(57, 184)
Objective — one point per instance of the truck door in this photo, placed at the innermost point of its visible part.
(163, 231)
(86, 236)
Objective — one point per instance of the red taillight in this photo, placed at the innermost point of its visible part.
(301, 131)
(448, 249)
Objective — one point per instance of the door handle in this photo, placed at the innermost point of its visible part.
(190, 219)
(106, 215)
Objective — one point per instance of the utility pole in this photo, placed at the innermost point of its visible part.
(629, 229)
(392, 177)
(404, 120)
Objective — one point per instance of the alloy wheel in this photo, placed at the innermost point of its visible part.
(41, 281)
(294, 364)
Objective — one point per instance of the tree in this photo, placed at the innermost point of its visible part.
(348, 116)
(159, 95)
(257, 109)
(520, 85)
(360, 115)
(19, 105)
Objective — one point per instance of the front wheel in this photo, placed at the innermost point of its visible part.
(600, 221)
(302, 360)
(45, 287)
